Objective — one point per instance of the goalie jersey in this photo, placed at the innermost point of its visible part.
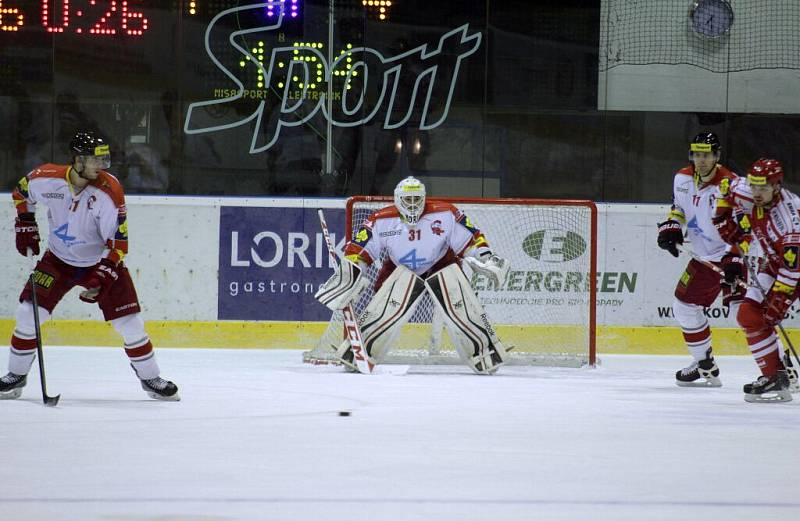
(442, 234)
(694, 204)
(84, 226)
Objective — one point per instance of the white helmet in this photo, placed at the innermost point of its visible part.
(409, 198)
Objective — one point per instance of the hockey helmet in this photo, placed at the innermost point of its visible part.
(409, 198)
(705, 142)
(765, 171)
(90, 144)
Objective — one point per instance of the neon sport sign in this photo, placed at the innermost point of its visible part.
(383, 74)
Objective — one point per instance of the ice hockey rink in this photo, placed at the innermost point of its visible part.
(258, 436)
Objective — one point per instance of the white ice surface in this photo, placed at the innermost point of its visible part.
(257, 436)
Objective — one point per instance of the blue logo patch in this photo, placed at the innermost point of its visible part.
(62, 232)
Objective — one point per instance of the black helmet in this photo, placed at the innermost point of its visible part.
(705, 142)
(88, 144)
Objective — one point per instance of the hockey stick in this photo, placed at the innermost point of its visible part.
(742, 284)
(50, 401)
(350, 320)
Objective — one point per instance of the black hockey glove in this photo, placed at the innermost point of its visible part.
(734, 269)
(670, 235)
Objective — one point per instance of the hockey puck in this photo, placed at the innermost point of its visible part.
(344, 413)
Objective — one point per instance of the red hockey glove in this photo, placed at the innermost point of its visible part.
(102, 276)
(777, 304)
(731, 226)
(734, 269)
(669, 235)
(27, 234)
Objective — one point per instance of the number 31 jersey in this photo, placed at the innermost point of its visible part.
(441, 228)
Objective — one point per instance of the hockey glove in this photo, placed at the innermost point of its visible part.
(102, 276)
(777, 304)
(27, 234)
(732, 228)
(670, 235)
(492, 266)
(734, 269)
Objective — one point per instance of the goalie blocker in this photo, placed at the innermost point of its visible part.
(394, 303)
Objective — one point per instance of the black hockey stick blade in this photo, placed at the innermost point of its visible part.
(51, 401)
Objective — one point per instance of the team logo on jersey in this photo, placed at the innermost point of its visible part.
(790, 257)
(62, 232)
(362, 236)
(436, 227)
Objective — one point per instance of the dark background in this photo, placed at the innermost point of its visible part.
(523, 120)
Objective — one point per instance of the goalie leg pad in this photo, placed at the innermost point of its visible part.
(389, 309)
(466, 320)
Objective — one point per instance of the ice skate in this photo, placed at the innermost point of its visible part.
(160, 389)
(704, 373)
(769, 389)
(11, 386)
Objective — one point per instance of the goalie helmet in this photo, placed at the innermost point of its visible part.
(90, 144)
(765, 171)
(409, 198)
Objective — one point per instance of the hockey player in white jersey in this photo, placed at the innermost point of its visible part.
(695, 190)
(424, 242)
(88, 239)
(762, 209)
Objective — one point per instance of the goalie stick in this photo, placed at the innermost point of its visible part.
(742, 284)
(49, 401)
(350, 320)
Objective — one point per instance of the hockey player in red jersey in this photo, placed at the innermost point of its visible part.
(762, 207)
(87, 242)
(422, 244)
(695, 190)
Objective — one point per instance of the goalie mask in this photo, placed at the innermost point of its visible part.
(409, 198)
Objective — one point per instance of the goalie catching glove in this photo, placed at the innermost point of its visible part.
(346, 283)
(491, 266)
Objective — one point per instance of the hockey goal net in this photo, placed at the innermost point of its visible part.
(546, 307)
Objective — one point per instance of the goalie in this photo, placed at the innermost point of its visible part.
(425, 243)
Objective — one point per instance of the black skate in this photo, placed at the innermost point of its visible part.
(705, 369)
(769, 389)
(11, 386)
(791, 371)
(160, 389)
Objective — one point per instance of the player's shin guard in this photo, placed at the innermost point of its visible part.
(137, 346)
(143, 358)
(694, 325)
(466, 320)
(23, 341)
(761, 338)
(389, 309)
